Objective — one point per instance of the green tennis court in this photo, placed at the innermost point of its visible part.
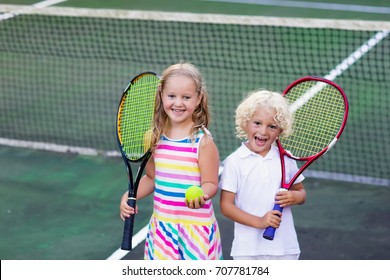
(62, 74)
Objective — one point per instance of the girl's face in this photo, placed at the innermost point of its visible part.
(262, 131)
(180, 99)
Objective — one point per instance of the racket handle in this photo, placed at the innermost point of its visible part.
(269, 232)
(128, 229)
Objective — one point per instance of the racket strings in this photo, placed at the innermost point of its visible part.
(136, 116)
(317, 121)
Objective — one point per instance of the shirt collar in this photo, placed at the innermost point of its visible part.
(244, 152)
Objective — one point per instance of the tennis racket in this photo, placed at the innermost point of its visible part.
(320, 109)
(134, 125)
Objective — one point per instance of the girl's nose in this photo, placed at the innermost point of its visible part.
(178, 101)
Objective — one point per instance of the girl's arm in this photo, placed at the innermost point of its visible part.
(208, 162)
(209, 166)
(146, 187)
(146, 184)
(231, 211)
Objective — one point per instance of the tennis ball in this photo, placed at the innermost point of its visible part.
(193, 193)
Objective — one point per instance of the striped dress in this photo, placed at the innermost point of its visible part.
(177, 232)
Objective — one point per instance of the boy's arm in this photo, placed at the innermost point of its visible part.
(231, 211)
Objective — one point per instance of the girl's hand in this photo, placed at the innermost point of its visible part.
(125, 211)
(197, 203)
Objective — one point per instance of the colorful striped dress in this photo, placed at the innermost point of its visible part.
(177, 232)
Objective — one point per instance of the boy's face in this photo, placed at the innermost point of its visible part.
(262, 131)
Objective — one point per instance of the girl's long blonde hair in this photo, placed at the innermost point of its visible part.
(201, 115)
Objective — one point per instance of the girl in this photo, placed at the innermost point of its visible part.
(252, 176)
(184, 154)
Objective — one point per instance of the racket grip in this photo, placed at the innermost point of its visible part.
(269, 232)
(128, 229)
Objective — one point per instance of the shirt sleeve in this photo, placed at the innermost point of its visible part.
(292, 169)
(229, 177)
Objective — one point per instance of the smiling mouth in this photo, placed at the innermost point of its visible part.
(260, 139)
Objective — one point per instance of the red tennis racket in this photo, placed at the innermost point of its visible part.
(320, 109)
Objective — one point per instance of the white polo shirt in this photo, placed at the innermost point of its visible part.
(255, 180)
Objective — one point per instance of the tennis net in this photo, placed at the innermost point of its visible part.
(63, 71)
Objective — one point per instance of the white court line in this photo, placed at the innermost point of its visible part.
(44, 146)
(47, 3)
(313, 5)
(42, 4)
(347, 178)
(339, 69)
(137, 239)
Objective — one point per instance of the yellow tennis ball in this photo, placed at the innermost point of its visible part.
(193, 193)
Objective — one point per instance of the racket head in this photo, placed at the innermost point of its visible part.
(135, 116)
(320, 109)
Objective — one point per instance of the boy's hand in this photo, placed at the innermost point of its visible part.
(271, 218)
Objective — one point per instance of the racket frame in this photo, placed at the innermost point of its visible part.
(132, 185)
(270, 231)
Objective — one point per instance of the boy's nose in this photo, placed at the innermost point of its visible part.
(262, 130)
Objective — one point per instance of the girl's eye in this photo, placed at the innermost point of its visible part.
(187, 97)
(273, 127)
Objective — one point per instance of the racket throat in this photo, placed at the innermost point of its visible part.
(331, 144)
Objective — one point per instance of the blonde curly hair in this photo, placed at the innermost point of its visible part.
(266, 100)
